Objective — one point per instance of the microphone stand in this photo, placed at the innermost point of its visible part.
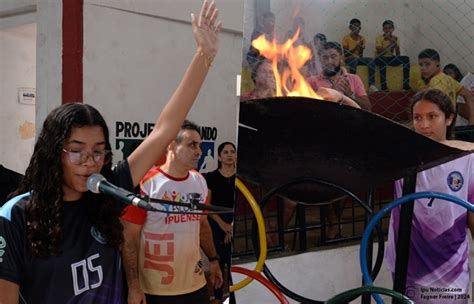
(193, 205)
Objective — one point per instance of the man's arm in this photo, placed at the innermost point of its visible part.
(363, 102)
(207, 245)
(397, 46)
(131, 245)
(205, 237)
(336, 96)
(206, 30)
(358, 94)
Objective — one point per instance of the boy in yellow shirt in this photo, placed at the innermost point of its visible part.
(354, 45)
(433, 77)
(387, 53)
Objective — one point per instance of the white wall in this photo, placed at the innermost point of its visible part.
(49, 58)
(17, 69)
(443, 25)
(17, 12)
(136, 53)
(15, 5)
(44, 49)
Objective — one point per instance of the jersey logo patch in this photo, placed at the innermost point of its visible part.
(3, 245)
(98, 236)
(455, 181)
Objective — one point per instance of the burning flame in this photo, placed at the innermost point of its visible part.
(290, 59)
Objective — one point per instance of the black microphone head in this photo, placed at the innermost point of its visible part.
(93, 182)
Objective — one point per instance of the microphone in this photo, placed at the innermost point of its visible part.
(96, 183)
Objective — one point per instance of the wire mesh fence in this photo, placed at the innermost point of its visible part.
(381, 42)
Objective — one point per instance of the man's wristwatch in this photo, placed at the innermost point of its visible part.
(213, 258)
(353, 96)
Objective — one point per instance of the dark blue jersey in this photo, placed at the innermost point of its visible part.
(86, 271)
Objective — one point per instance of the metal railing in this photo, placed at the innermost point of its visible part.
(308, 226)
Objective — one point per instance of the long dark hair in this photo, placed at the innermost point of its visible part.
(442, 101)
(219, 150)
(44, 178)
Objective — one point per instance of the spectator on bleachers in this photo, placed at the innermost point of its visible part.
(387, 53)
(264, 80)
(468, 83)
(336, 77)
(266, 27)
(433, 77)
(354, 45)
(298, 24)
(452, 70)
(318, 41)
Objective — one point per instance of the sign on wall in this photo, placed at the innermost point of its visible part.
(128, 135)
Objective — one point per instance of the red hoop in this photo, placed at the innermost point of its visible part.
(257, 276)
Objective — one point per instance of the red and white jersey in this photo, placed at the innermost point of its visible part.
(169, 259)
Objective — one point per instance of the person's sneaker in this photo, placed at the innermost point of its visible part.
(373, 89)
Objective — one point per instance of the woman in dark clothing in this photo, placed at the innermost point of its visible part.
(221, 184)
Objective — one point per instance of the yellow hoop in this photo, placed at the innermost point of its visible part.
(261, 234)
